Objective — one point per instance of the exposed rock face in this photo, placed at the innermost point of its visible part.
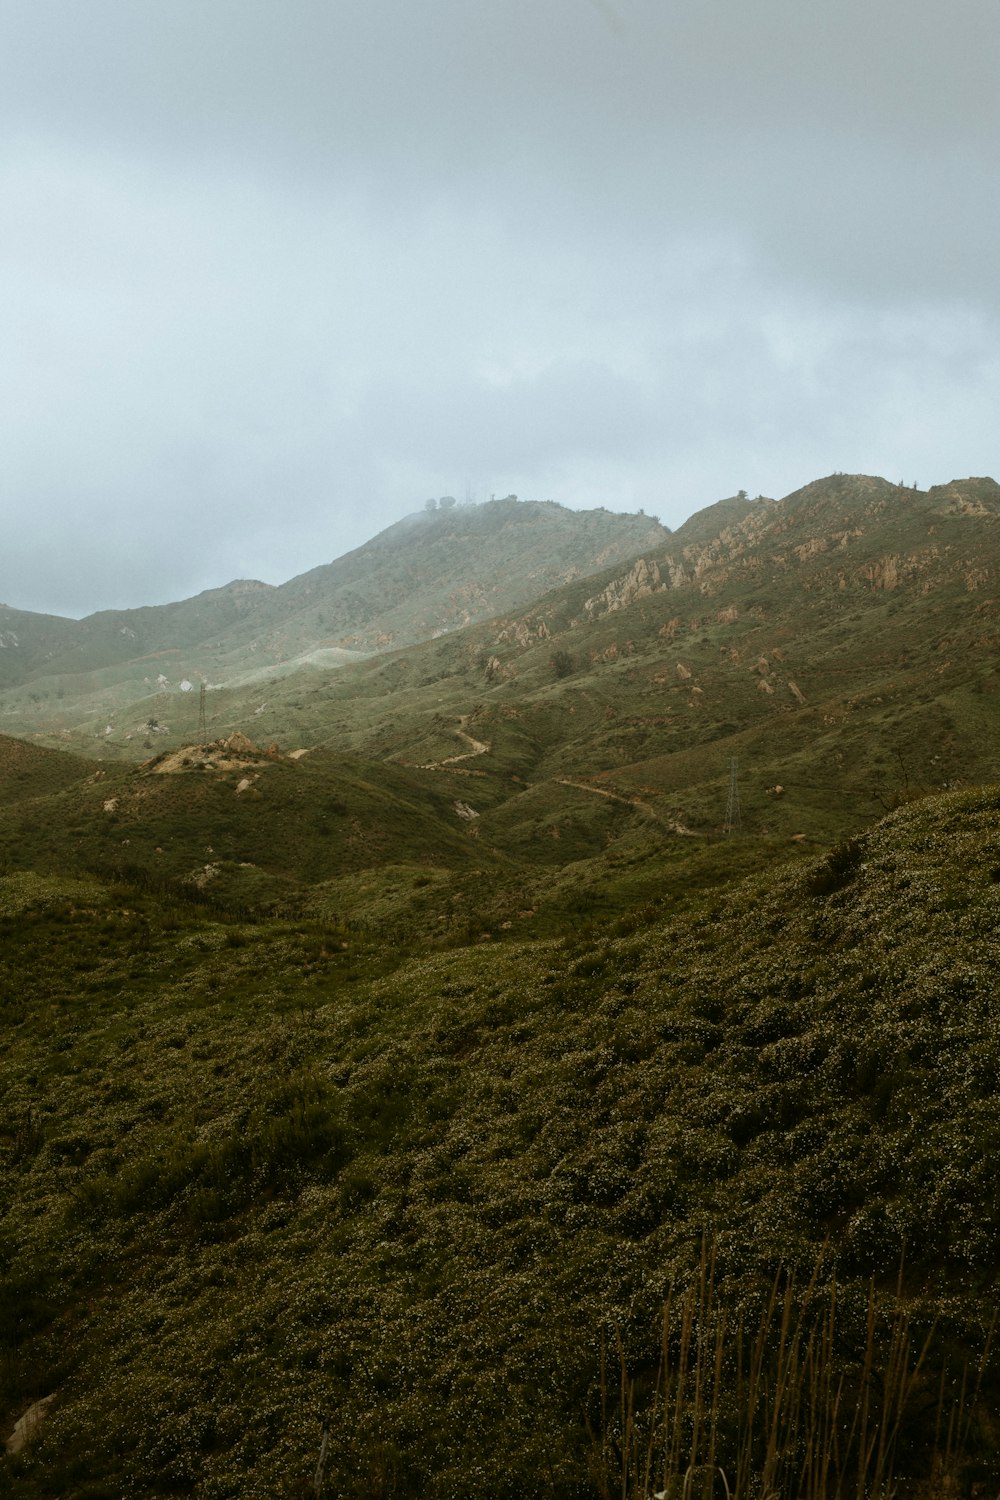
(883, 574)
(642, 579)
(422, 576)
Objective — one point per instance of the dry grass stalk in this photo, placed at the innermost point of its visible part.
(791, 1409)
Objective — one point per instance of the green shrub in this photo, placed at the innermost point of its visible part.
(838, 869)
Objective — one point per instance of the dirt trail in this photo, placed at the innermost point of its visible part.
(477, 748)
(646, 807)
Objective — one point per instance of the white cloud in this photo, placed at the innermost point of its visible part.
(274, 275)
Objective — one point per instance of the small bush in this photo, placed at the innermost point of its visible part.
(838, 869)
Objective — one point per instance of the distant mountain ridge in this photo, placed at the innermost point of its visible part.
(848, 579)
(430, 573)
(845, 531)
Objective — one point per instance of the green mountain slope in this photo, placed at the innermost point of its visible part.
(28, 641)
(29, 771)
(438, 571)
(393, 1086)
(256, 1178)
(839, 646)
(430, 573)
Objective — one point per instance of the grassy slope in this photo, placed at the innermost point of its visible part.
(257, 1175)
(27, 771)
(261, 835)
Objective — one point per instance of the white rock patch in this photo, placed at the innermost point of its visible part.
(27, 1428)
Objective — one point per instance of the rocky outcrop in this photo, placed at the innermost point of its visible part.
(240, 744)
(641, 580)
(523, 633)
(883, 574)
(496, 670)
(29, 1425)
(967, 497)
(233, 753)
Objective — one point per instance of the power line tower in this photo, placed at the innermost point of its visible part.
(202, 720)
(734, 819)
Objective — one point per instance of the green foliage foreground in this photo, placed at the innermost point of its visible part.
(258, 1179)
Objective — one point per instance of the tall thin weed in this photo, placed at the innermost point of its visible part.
(824, 1394)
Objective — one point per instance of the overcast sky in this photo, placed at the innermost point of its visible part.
(273, 272)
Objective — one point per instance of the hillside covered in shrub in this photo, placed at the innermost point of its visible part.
(261, 1178)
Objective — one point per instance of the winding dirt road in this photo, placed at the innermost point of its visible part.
(477, 748)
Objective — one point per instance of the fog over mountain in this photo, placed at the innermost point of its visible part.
(275, 275)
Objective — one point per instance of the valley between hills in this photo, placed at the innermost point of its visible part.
(513, 1011)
